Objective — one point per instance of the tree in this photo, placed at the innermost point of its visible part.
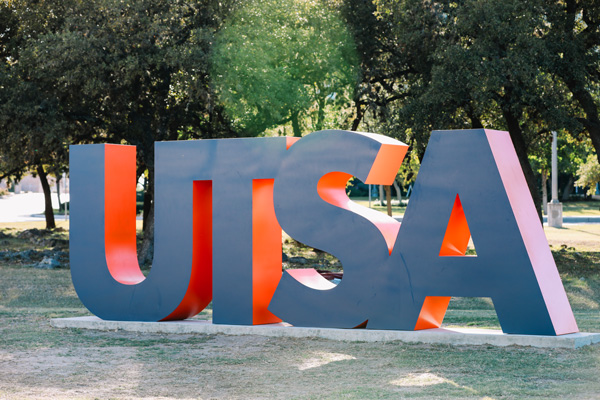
(589, 174)
(474, 64)
(573, 40)
(130, 72)
(33, 137)
(572, 153)
(8, 28)
(284, 61)
(141, 68)
(32, 132)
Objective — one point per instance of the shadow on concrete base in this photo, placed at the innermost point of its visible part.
(452, 336)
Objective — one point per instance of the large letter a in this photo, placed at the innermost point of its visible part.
(513, 266)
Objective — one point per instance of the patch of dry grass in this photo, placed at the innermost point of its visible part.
(583, 237)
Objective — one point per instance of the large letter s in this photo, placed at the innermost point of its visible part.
(311, 206)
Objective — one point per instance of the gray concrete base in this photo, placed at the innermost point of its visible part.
(584, 219)
(555, 215)
(453, 336)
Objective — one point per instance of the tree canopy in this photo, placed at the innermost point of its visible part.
(284, 61)
(573, 42)
(131, 72)
(472, 64)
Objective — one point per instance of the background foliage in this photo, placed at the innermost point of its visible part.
(285, 61)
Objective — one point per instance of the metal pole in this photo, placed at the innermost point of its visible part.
(555, 218)
(369, 195)
(554, 168)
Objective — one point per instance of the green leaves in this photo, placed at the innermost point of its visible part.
(132, 71)
(280, 60)
(589, 174)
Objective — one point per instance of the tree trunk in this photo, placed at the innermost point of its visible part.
(567, 190)
(359, 116)
(146, 252)
(296, 125)
(148, 199)
(594, 131)
(398, 193)
(320, 114)
(516, 134)
(388, 199)
(48, 212)
(545, 192)
(58, 191)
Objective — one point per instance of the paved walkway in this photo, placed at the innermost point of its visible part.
(26, 207)
(582, 219)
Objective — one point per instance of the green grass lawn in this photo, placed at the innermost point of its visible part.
(38, 361)
(575, 208)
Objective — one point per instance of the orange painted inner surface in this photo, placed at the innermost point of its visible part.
(289, 141)
(332, 189)
(362, 325)
(119, 214)
(432, 313)
(457, 234)
(386, 164)
(266, 251)
(455, 243)
(199, 291)
(311, 278)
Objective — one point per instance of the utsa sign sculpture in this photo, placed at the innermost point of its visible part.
(220, 207)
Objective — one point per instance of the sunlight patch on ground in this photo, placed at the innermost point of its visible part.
(324, 359)
(11, 294)
(582, 300)
(426, 379)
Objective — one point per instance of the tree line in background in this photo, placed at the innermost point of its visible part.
(139, 71)
(105, 71)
